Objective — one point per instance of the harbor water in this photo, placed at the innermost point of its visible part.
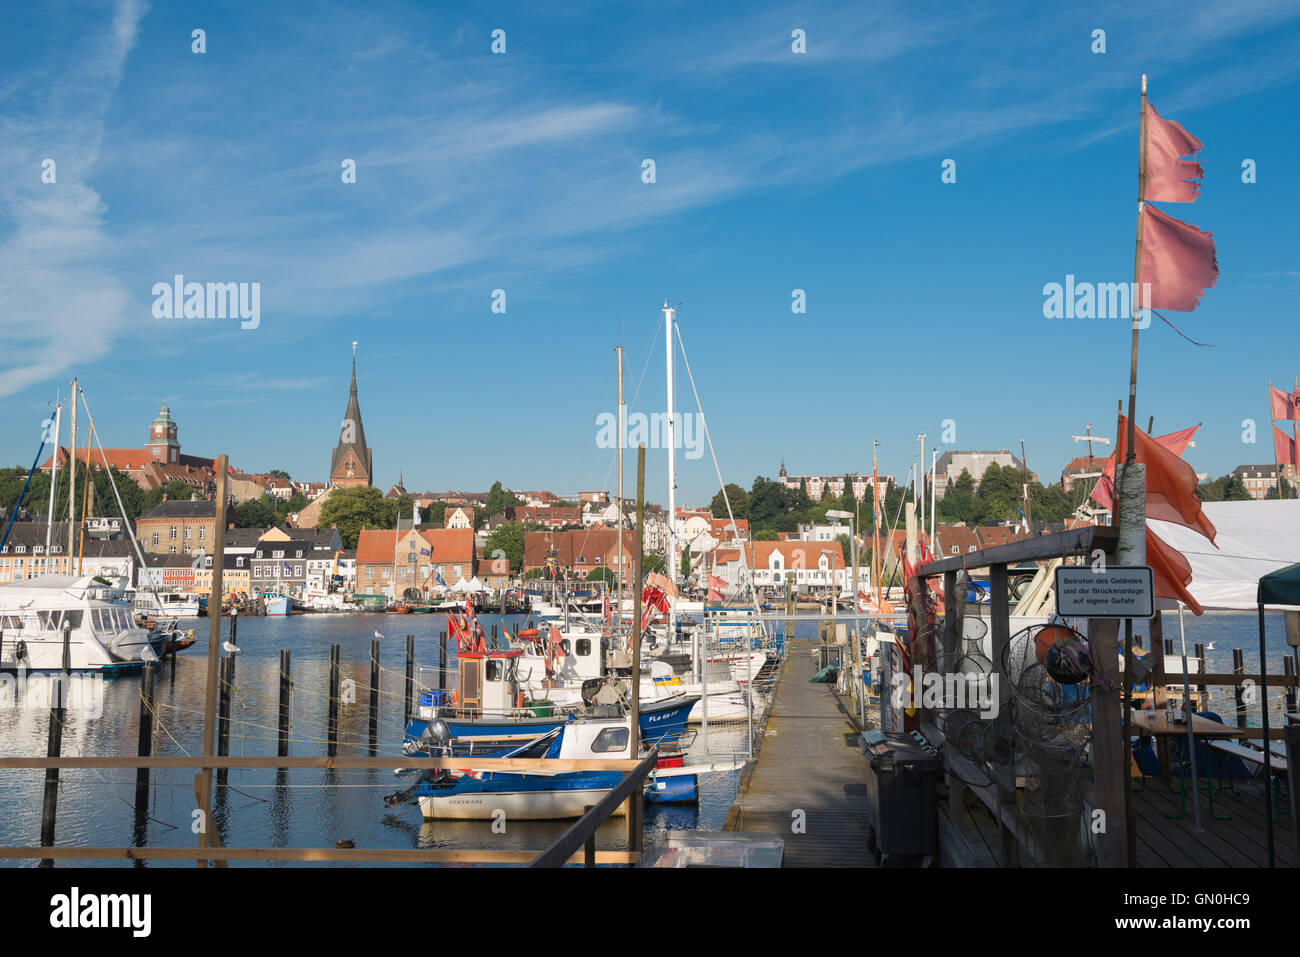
(317, 808)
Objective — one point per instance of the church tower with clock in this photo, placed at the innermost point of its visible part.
(352, 463)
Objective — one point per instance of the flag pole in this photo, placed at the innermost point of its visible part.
(1137, 272)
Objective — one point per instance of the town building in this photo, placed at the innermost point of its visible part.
(1082, 468)
(817, 485)
(409, 562)
(236, 576)
(1260, 481)
(806, 564)
(24, 556)
(950, 465)
(178, 528)
(579, 552)
(158, 463)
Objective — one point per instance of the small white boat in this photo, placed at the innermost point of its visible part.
(103, 635)
(276, 604)
(165, 604)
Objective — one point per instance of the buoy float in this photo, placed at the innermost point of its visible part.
(527, 633)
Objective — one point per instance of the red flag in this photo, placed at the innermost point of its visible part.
(1170, 571)
(1285, 406)
(1171, 483)
(1167, 172)
(556, 648)
(1286, 448)
(1177, 261)
(715, 595)
(1175, 442)
(720, 584)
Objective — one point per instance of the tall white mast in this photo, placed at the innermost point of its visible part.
(72, 478)
(54, 475)
(670, 318)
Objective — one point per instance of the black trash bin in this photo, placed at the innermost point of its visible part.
(902, 801)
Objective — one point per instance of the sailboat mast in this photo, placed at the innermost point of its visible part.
(618, 605)
(72, 477)
(875, 522)
(54, 475)
(670, 318)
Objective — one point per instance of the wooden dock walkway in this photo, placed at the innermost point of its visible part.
(810, 762)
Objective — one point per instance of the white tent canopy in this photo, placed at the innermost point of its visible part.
(475, 585)
(1254, 538)
(461, 587)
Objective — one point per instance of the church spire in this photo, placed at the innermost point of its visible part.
(352, 462)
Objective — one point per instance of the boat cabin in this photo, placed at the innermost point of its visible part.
(487, 682)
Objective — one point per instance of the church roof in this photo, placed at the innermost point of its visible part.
(357, 434)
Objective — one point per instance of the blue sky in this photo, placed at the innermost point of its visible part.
(522, 172)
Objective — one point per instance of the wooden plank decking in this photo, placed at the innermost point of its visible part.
(810, 762)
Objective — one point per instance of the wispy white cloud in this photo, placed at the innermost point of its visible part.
(61, 303)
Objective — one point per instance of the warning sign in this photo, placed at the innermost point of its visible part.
(1116, 592)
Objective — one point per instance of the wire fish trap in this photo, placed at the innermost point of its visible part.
(1050, 670)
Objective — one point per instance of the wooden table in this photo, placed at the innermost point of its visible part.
(1157, 724)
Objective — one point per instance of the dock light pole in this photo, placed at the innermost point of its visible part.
(857, 650)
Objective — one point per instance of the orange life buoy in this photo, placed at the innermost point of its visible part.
(527, 633)
(454, 696)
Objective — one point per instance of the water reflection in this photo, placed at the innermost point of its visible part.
(316, 808)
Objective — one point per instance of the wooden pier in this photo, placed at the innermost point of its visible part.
(808, 783)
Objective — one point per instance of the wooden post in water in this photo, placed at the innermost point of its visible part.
(54, 747)
(374, 694)
(223, 718)
(1239, 668)
(410, 680)
(332, 732)
(145, 748)
(234, 640)
(1199, 650)
(1288, 669)
(208, 836)
(282, 745)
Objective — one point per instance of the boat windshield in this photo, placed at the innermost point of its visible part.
(110, 620)
(54, 620)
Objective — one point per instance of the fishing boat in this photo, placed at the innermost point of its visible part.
(103, 635)
(166, 604)
(275, 604)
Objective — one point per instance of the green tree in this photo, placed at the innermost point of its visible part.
(1234, 489)
(435, 513)
(765, 535)
(846, 547)
(848, 502)
(286, 507)
(652, 562)
(686, 563)
(602, 575)
(507, 540)
(279, 473)
(498, 500)
(256, 513)
(739, 502)
(353, 509)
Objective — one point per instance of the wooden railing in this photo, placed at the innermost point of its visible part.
(583, 833)
(628, 789)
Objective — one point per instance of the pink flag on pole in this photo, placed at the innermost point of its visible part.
(1285, 447)
(1177, 260)
(1285, 405)
(1168, 174)
(1175, 442)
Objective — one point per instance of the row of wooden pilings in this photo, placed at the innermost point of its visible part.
(49, 810)
(334, 686)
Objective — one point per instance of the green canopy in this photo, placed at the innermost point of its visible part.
(1281, 587)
